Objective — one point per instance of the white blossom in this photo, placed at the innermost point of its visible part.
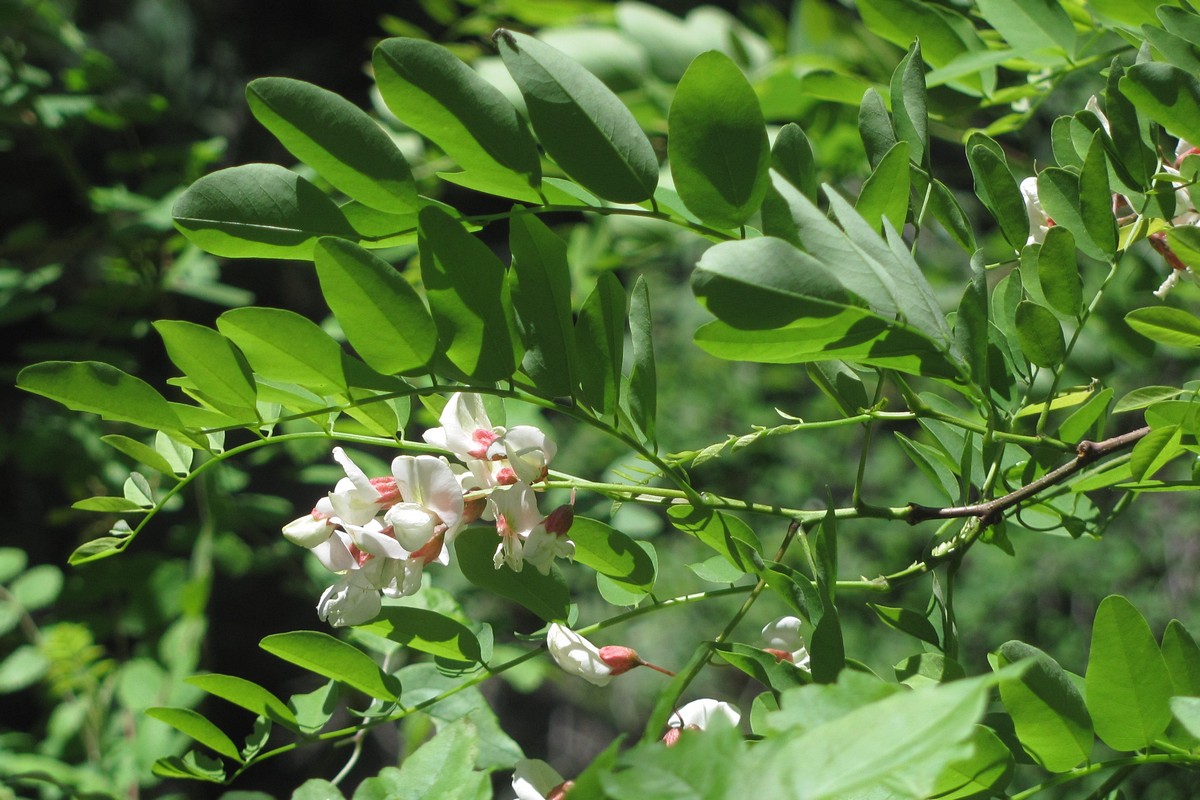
(1039, 222)
(782, 639)
(534, 779)
(699, 714)
(577, 655)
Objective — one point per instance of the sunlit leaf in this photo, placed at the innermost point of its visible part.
(332, 658)
(198, 727)
(98, 388)
(337, 139)
(1051, 719)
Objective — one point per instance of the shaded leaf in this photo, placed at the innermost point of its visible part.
(544, 595)
(541, 295)
(193, 724)
(99, 389)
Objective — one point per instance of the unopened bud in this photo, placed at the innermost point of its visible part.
(620, 659)
(560, 520)
(780, 655)
(473, 509)
(671, 737)
(560, 791)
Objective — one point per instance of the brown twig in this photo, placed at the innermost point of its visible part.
(1085, 453)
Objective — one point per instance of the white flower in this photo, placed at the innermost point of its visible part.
(433, 504)
(782, 639)
(356, 499)
(309, 531)
(577, 655)
(1039, 223)
(466, 430)
(699, 714)
(497, 456)
(542, 547)
(353, 600)
(1093, 105)
(534, 779)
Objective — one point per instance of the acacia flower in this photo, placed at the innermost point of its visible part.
(352, 600)
(1039, 222)
(498, 456)
(697, 716)
(782, 639)
(577, 655)
(534, 779)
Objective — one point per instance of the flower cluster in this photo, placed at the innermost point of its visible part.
(1185, 210)
(379, 534)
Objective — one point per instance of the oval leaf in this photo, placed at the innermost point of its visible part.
(427, 631)
(1040, 335)
(1166, 325)
(215, 367)
(581, 123)
(258, 211)
(440, 97)
(332, 658)
(1051, 719)
(283, 346)
(469, 298)
(245, 694)
(885, 193)
(99, 389)
(193, 724)
(1127, 681)
(545, 595)
(612, 553)
(719, 161)
(1058, 272)
(337, 139)
(380, 313)
(541, 295)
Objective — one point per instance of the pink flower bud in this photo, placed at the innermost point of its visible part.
(620, 659)
(389, 492)
(559, 792)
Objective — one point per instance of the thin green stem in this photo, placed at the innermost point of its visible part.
(1100, 766)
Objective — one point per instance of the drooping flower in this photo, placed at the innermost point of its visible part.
(352, 600)
(699, 715)
(1039, 222)
(466, 429)
(357, 499)
(525, 536)
(534, 779)
(782, 639)
(577, 656)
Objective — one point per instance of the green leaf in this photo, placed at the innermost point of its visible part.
(108, 505)
(427, 631)
(258, 211)
(724, 533)
(1040, 335)
(380, 313)
(763, 667)
(951, 215)
(1051, 719)
(612, 553)
(1166, 94)
(972, 331)
(337, 139)
(600, 343)
(99, 389)
(580, 122)
(247, 695)
(907, 621)
(22, 667)
(1132, 14)
(998, 190)
(443, 767)
(944, 36)
(719, 161)
(317, 789)
(216, 368)
(1184, 240)
(443, 99)
(776, 304)
(988, 769)
(193, 766)
(12, 563)
(1058, 272)
(1164, 324)
(283, 346)
(1087, 418)
(909, 114)
(885, 192)
(1145, 397)
(1059, 193)
(139, 451)
(643, 384)
(1182, 657)
(1154, 451)
(1033, 28)
(792, 157)
(193, 724)
(541, 295)
(928, 668)
(1127, 681)
(314, 709)
(902, 741)
(1095, 198)
(874, 128)
(545, 595)
(332, 658)
(469, 298)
